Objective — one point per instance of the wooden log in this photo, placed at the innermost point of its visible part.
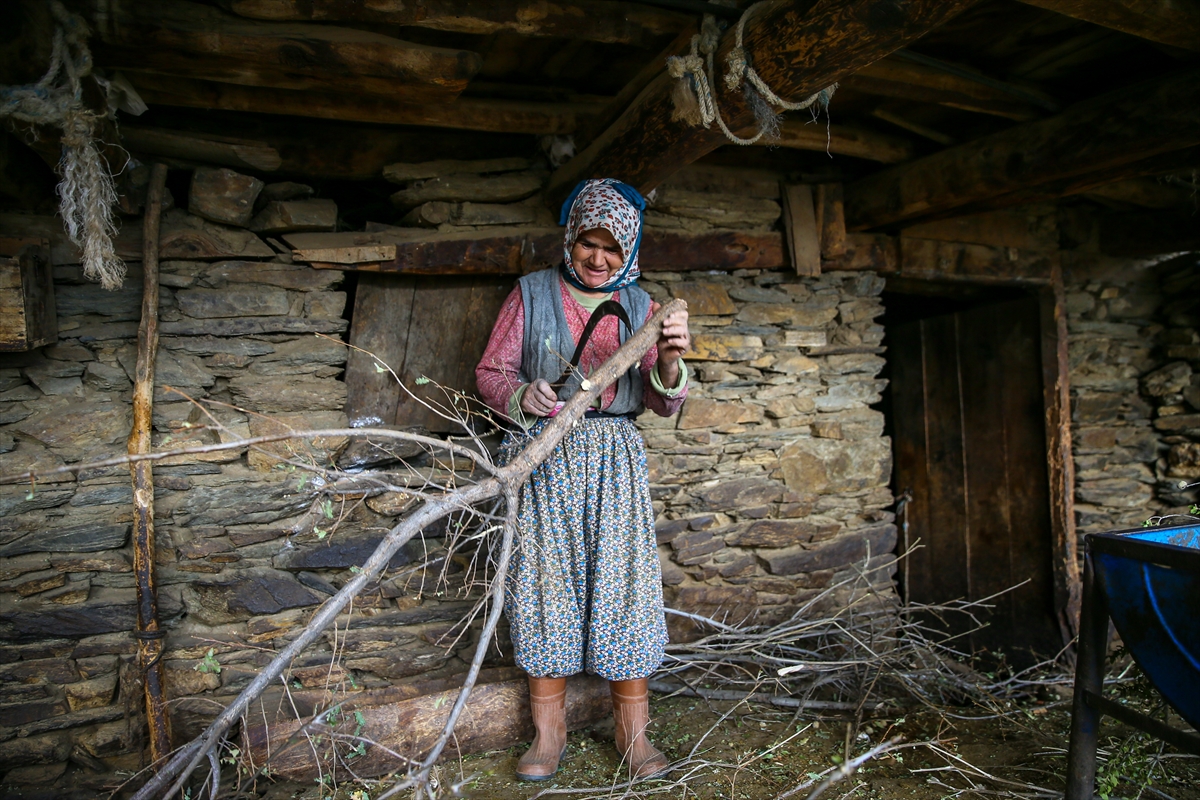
(1165, 21)
(405, 173)
(520, 250)
(797, 48)
(496, 717)
(900, 121)
(347, 255)
(1113, 131)
(1149, 234)
(587, 20)
(831, 220)
(800, 225)
(1029, 228)
(842, 140)
(877, 252)
(953, 261)
(27, 313)
(907, 80)
(1060, 463)
(500, 116)
(176, 37)
(1143, 192)
(149, 636)
(187, 148)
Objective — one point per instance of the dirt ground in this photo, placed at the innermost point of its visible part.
(757, 752)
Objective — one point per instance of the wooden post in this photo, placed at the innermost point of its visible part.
(149, 635)
(800, 223)
(831, 221)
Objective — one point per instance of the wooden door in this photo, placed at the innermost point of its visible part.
(431, 331)
(970, 446)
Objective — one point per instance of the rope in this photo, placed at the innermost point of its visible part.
(86, 192)
(698, 66)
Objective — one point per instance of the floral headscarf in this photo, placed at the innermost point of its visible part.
(617, 208)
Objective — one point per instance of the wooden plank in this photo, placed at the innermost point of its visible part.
(587, 20)
(347, 255)
(1023, 228)
(842, 140)
(874, 251)
(27, 313)
(905, 80)
(951, 261)
(1165, 21)
(1060, 463)
(465, 113)
(518, 250)
(810, 46)
(487, 297)
(198, 41)
(434, 348)
(1110, 131)
(203, 148)
(383, 306)
(907, 387)
(831, 220)
(800, 225)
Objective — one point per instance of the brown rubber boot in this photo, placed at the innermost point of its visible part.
(548, 702)
(631, 710)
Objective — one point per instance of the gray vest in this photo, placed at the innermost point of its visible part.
(545, 320)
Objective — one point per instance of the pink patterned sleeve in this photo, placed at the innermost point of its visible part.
(653, 399)
(498, 372)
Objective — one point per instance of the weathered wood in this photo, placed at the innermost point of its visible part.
(27, 312)
(466, 113)
(149, 635)
(503, 188)
(588, 20)
(1143, 192)
(954, 261)
(867, 251)
(831, 220)
(1149, 234)
(1060, 464)
(797, 48)
(1023, 228)
(225, 151)
(496, 717)
(516, 251)
(906, 80)
(1112, 131)
(405, 173)
(348, 255)
(1166, 21)
(379, 334)
(842, 140)
(900, 121)
(199, 41)
(800, 225)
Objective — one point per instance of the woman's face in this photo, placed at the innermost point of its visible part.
(597, 257)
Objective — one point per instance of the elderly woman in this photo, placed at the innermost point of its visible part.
(585, 587)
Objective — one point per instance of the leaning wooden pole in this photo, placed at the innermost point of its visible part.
(149, 634)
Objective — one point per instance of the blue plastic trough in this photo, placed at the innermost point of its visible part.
(1148, 582)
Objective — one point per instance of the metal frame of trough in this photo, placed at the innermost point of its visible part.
(1089, 703)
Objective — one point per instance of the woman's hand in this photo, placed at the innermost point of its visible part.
(672, 344)
(539, 399)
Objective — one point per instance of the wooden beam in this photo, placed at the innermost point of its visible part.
(520, 250)
(928, 259)
(498, 116)
(907, 80)
(1113, 131)
(199, 41)
(797, 48)
(1023, 228)
(1149, 234)
(803, 233)
(590, 20)
(1170, 22)
(831, 220)
(466, 113)
(201, 148)
(842, 140)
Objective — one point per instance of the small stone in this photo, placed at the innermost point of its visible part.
(240, 302)
(1171, 379)
(704, 298)
(826, 466)
(106, 378)
(93, 693)
(286, 190)
(827, 429)
(314, 451)
(222, 195)
(725, 347)
(292, 216)
(328, 305)
(41, 583)
(392, 504)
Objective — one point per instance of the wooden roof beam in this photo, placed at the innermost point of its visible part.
(465, 113)
(589, 20)
(797, 48)
(198, 41)
(842, 140)
(1170, 22)
(1111, 135)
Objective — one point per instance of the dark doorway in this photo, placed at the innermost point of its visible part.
(967, 417)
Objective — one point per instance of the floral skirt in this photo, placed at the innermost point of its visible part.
(584, 590)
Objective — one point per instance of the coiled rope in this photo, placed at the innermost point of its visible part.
(86, 192)
(694, 99)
